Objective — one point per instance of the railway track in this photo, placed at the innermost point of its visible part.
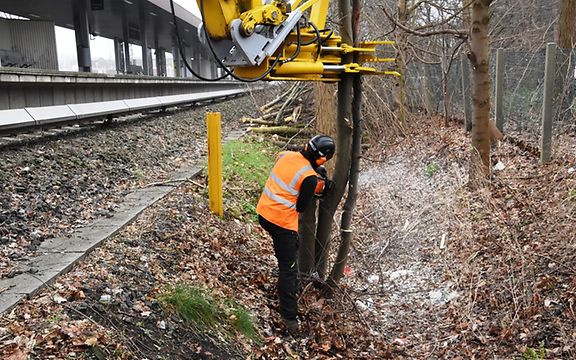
(47, 131)
(26, 125)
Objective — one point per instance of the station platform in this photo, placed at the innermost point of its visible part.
(22, 88)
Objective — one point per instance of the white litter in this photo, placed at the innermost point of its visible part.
(59, 299)
(399, 273)
(443, 242)
(439, 297)
(360, 305)
(499, 166)
(372, 279)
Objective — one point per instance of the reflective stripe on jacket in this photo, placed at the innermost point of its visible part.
(278, 201)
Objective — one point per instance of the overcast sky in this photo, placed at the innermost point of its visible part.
(99, 47)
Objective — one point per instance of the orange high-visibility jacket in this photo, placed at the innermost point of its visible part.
(278, 201)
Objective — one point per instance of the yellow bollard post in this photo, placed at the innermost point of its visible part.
(213, 121)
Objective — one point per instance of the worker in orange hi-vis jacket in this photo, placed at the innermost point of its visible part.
(297, 176)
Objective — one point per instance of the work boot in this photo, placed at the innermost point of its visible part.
(292, 326)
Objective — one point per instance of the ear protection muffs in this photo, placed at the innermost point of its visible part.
(319, 161)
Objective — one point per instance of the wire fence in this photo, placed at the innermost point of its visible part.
(522, 84)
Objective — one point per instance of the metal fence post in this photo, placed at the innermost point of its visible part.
(466, 92)
(213, 120)
(499, 106)
(547, 106)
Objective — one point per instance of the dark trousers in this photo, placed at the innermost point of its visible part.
(286, 251)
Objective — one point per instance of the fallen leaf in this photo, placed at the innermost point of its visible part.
(17, 355)
(91, 341)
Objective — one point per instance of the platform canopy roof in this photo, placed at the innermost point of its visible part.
(106, 18)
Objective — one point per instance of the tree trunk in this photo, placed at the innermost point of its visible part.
(401, 39)
(479, 43)
(350, 203)
(445, 64)
(566, 40)
(330, 203)
(567, 25)
(307, 234)
(325, 114)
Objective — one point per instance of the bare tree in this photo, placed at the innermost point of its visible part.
(325, 115)
(566, 40)
(567, 24)
(350, 203)
(401, 41)
(348, 153)
(315, 233)
(328, 206)
(479, 46)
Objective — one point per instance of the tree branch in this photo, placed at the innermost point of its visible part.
(458, 33)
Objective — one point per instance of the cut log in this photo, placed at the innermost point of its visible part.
(295, 95)
(295, 114)
(258, 121)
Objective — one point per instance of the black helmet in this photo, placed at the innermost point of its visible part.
(321, 146)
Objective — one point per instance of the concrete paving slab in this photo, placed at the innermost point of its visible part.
(49, 114)
(234, 135)
(84, 239)
(124, 214)
(94, 234)
(186, 173)
(50, 265)
(12, 119)
(146, 195)
(52, 244)
(98, 108)
(21, 284)
(143, 103)
(9, 300)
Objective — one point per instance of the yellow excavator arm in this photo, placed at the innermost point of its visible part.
(281, 40)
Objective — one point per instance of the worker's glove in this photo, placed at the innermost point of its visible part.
(321, 171)
(324, 185)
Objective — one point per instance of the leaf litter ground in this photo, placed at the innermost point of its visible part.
(437, 271)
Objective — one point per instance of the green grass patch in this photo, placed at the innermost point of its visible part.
(204, 312)
(193, 305)
(250, 161)
(431, 169)
(246, 165)
(535, 354)
(572, 195)
(241, 319)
